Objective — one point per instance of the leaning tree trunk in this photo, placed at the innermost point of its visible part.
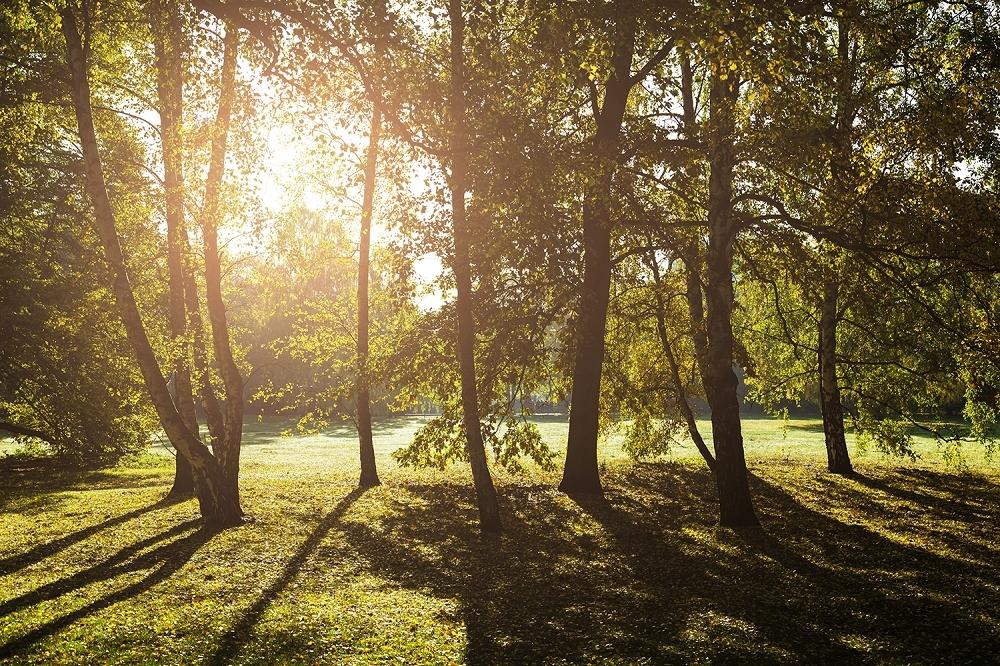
(232, 380)
(675, 372)
(735, 504)
(169, 84)
(837, 458)
(486, 494)
(580, 473)
(218, 499)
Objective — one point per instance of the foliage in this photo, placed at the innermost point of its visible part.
(62, 372)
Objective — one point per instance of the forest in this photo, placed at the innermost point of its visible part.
(499, 331)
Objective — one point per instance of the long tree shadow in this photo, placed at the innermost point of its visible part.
(894, 600)
(240, 633)
(162, 562)
(645, 575)
(15, 563)
(113, 566)
(926, 488)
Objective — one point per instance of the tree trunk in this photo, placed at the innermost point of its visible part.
(675, 373)
(209, 400)
(169, 84)
(837, 457)
(580, 473)
(218, 500)
(735, 504)
(366, 444)
(696, 311)
(232, 380)
(183, 485)
(369, 472)
(486, 495)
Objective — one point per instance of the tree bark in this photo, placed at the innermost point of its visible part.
(486, 495)
(735, 504)
(232, 380)
(369, 472)
(169, 84)
(214, 417)
(837, 457)
(675, 373)
(366, 443)
(580, 472)
(696, 311)
(218, 500)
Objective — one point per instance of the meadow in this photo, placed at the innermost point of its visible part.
(897, 564)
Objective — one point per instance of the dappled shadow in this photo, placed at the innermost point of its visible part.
(893, 566)
(160, 562)
(240, 633)
(645, 575)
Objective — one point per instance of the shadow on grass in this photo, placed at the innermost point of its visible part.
(29, 482)
(160, 562)
(241, 632)
(646, 576)
(895, 566)
(17, 562)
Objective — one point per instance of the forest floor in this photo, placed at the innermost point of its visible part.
(898, 564)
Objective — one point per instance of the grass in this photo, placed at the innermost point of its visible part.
(895, 565)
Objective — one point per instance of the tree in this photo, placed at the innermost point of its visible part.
(228, 453)
(167, 32)
(580, 473)
(735, 504)
(486, 495)
(369, 473)
(218, 496)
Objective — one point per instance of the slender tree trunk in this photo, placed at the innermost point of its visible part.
(232, 380)
(209, 400)
(369, 472)
(675, 373)
(693, 258)
(169, 80)
(696, 311)
(366, 444)
(838, 459)
(218, 500)
(580, 473)
(486, 494)
(735, 504)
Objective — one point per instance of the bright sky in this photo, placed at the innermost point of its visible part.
(285, 149)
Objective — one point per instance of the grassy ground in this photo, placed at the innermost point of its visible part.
(897, 564)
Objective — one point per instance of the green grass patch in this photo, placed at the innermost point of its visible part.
(895, 565)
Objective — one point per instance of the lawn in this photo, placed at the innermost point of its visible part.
(898, 564)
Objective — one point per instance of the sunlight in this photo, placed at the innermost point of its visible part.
(450, 332)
